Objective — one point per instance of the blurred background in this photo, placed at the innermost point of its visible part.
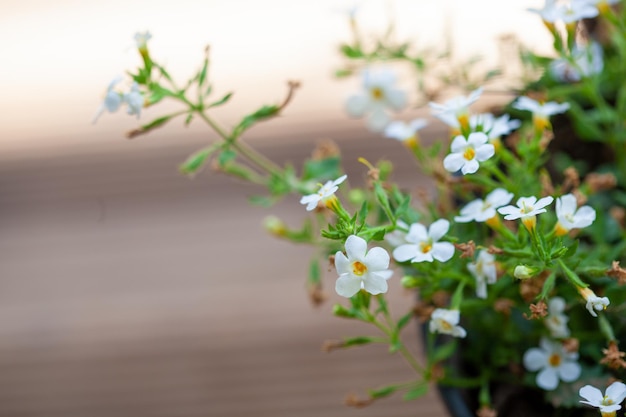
(127, 289)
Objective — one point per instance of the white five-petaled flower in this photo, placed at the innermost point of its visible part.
(608, 403)
(526, 209)
(423, 245)
(325, 193)
(553, 362)
(361, 268)
(467, 153)
(455, 112)
(142, 38)
(566, 12)
(493, 127)
(541, 111)
(570, 216)
(484, 271)
(584, 62)
(112, 100)
(556, 321)
(481, 211)
(405, 132)
(380, 94)
(594, 303)
(134, 100)
(446, 321)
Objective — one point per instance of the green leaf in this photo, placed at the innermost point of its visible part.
(322, 169)
(196, 160)
(203, 72)
(314, 271)
(188, 119)
(415, 393)
(226, 156)
(150, 126)
(383, 200)
(357, 341)
(404, 320)
(341, 311)
(382, 392)
(571, 251)
(351, 52)
(263, 113)
(262, 201)
(220, 101)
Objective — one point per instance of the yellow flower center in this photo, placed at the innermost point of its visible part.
(358, 268)
(426, 247)
(607, 401)
(469, 153)
(554, 360)
(377, 93)
(444, 325)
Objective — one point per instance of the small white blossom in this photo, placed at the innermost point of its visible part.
(594, 303)
(608, 403)
(587, 61)
(326, 192)
(455, 112)
(493, 127)
(525, 207)
(134, 100)
(142, 38)
(481, 211)
(553, 362)
(361, 268)
(524, 272)
(112, 100)
(556, 321)
(484, 271)
(405, 132)
(467, 153)
(541, 111)
(423, 245)
(398, 236)
(380, 95)
(566, 12)
(570, 216)
(446, 322)
(549, 12)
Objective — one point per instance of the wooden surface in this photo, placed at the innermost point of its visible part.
(128, 290)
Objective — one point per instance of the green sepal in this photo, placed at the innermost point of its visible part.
(197, 160)
(263, 113)
(221, 101)
(226, 156)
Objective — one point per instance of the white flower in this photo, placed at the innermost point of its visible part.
(480, 211)
(570, 217)
(587, 61)
(446, 321)
(594, 303)
(566, 12)
(398, 236)
(112, 100)
(326, 192)
(405, 132)
(467, 153)
(556, 321)
(142, 38)
(541, 111)
(525, 207)
(455, 112)
(423, 245)
(361, 269)
(484, 271)
(134, 100)
(549, 12)
(553, 362)
(608, 403)
(379, 95)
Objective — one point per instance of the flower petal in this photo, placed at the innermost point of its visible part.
(499, 197)
(485, 152)
(375, 284)
(342, 264)
(535, 359)
(347, 285)
(356, 105)
(377, 259)
(569, 371)
(470, 167)
(543, 202)
(453, 162)
(396, 99)
(547, 379)
(616, 391)
(356, 248)
(377, 120)
(442, 251)
(417, 233)
(592, 395)
(404, 253)
(458, 144)
(477, 139)
(438, 229)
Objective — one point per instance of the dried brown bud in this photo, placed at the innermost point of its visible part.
(530, 288)
(571, 180)
(537, 311)
(503, 305)
(467, 249)
(325, 149)
(619, 214)
(546, 138)
(571, 345)
(494, 250)
(581, 198)
(546, 183)
(441, 298)
(600, 182)
(317, 295)
(486, 411)
(352, 400)
(423, 311)
(437, 372)
(330, 345)
(617, 272)
(613, 358)
(331, 262)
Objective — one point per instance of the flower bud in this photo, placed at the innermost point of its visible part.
(524, 272)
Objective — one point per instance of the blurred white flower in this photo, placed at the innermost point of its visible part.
(467, 153)
(112, 100)
(380, 95)
(397, 237)
(481, 211)
(361, 268)
(553, 362)
(556, 321)
(608, 403)
(594, 303)
(134, 100)
(541, 111)
(142, 38)
(325, 193)
(405, 132)
(587, 61)
(446, 322)
(484, 271)
(455, 112)
(570, 216)
(567, 12)
(423, 245)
